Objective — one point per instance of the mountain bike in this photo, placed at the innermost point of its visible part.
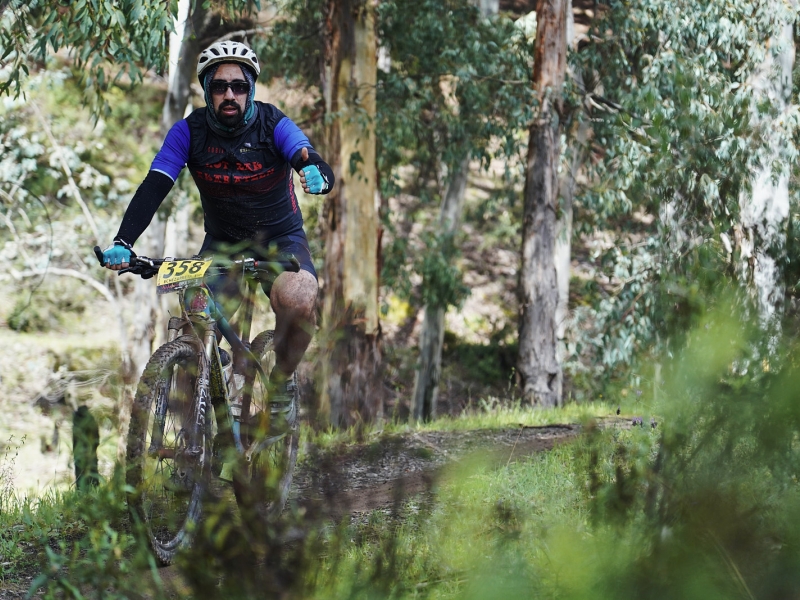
(175, 443)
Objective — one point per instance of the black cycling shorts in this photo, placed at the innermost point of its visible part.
(228, 289)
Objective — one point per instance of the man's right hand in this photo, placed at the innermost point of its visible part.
(117, 257)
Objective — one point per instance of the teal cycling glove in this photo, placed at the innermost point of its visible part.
(315, 180)
(117, 254)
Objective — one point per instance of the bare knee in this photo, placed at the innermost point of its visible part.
(294, 296)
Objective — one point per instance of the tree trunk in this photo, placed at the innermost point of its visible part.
(150, 315)
(350, 386)
(765, 211)
(566, 190)
(85, 440)
(538, 364)
(184, 48)
(426, 385)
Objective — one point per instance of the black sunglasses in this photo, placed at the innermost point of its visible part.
(219, 87)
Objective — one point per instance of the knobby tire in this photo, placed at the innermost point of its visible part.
(167, 420)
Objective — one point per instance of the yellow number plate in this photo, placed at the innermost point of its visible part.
(176, 274)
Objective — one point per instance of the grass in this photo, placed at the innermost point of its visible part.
(489, 415)
(27, 524)
(706, 505)
(489, 534)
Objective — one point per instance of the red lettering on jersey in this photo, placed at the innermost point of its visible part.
(248, 178)
(251, 166)
(213, 150)
(223, 164)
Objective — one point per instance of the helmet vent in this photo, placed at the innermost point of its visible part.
(225, 51)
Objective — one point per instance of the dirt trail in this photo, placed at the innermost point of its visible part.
(373, 476)
(376, 475)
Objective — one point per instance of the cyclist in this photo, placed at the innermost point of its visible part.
(240, 153)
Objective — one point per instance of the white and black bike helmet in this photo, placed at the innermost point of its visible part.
(227, 51)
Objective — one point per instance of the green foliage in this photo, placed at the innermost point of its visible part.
(456, 83)
(94, 548)
(42, 227)
(457, 88)
(490, 364)
(24, 318)
(294, 49)
(703, 501)
(109, 42)
(698, 498)
(667, 86)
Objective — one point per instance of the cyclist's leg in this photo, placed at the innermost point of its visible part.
(293, 298)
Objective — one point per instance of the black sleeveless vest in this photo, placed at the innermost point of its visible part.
(246, 186)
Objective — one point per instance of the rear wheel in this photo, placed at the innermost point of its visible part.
(168, 444)
(262, 483)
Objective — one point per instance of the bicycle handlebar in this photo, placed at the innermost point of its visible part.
(148, 267)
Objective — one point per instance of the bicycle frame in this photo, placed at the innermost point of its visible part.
(200, 319)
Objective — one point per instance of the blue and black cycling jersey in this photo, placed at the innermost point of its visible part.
(245, 182)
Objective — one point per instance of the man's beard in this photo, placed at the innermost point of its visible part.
(229, 120)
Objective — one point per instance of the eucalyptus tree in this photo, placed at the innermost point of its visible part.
(351, 388)
(456, 92)
(331, 48)
(676, 136)
(765, 206)
(538, 363)
(450, 83)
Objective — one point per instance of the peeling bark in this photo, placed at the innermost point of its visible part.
(350, 387)
(538, 364)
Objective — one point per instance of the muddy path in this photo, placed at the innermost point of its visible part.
(378, 474)
(348, 483)
(351, 481)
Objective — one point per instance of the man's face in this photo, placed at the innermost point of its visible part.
(229, 100)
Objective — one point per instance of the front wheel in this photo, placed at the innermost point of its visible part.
(262, 483)
(168, 444)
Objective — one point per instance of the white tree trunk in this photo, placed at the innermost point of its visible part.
(183, 53)
(563, 251)
(765, 211)
(149, 312)
(426, 385)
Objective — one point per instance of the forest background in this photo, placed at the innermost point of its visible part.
(663, 253)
